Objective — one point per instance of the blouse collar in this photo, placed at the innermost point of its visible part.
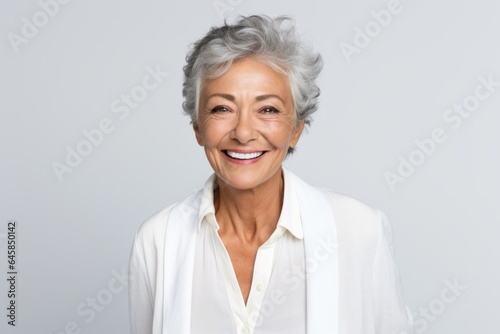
(290, 214)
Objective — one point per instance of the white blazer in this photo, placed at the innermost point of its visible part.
(355, 289)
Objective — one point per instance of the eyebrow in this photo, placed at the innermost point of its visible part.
(257, 98)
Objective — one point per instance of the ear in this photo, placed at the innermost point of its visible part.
(296, 134)
(197, 134)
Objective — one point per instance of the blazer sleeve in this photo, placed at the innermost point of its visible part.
(146, 275)
(392, 315)
(141, 300)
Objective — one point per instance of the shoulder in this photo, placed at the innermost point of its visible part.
(356, 209)
(355, 220)
(154, 225)
(352, 217)
(151, 233)
(149, 239)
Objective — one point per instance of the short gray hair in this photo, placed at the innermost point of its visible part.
(271, 40)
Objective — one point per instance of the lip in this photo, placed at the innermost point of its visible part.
(243, 162)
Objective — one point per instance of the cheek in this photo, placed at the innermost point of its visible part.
(213, 132)
(279, 134)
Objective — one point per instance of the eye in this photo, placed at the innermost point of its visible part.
(269, 110)
(220, 109)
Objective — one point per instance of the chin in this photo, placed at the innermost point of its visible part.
(245, 180)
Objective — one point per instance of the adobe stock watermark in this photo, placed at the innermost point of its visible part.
(363, 36)
(30, 28)
(88, 309)
(121, 107)
(224, 7)
(453, 117)
(293, 278)
(424, 316)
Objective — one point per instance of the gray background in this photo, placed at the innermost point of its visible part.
(75, 235)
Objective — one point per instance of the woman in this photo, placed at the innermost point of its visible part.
(258, 250)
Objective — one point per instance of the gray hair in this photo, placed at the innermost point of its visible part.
(272, 41)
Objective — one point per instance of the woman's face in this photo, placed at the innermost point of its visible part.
(246, 123)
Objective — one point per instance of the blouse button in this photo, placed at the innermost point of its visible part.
(260, 287)
(244, 330)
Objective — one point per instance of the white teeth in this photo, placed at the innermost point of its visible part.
(244, 156)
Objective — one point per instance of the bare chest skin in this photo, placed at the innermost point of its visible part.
(242, 236)
(242, 257)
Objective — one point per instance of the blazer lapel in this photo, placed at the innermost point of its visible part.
(321, 251)
(180, 245)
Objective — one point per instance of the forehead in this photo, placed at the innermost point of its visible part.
(250, 75)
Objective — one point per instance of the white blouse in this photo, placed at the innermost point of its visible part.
(370, 294)
(277, 299)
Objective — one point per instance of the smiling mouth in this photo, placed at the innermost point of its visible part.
(243, 156)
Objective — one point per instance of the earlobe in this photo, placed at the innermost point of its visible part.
(197, 134)
(297, 132)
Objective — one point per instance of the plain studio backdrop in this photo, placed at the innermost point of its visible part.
(93, 142)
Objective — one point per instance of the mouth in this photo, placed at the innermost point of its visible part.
(244, 156)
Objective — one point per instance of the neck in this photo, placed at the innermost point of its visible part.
(250, 214)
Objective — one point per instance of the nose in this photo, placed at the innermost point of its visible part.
(244, 129)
